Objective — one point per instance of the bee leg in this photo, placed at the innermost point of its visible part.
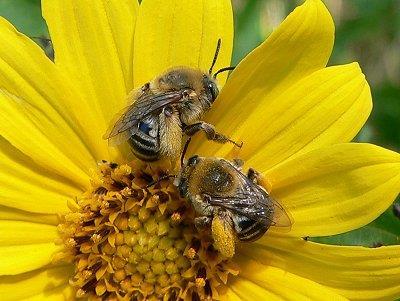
(238, 163)
(210, 132)
(223, 235)
(202, 222)
(253, 176)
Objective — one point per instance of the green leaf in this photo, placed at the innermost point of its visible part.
(247, 29)
(25, 15)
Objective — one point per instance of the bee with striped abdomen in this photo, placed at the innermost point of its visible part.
(228, 201)
(165, 108)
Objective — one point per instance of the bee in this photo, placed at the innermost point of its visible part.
(233, 204)
(165, 108)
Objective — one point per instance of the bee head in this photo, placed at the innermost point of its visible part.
(198, 88)
(210, 88)
(194, 83)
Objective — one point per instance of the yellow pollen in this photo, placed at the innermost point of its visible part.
(80, 293)
(129, 241)
(176, 217)
(86, 274)
(70, 243)
(200, 282)
(191, 253)
(96, 238)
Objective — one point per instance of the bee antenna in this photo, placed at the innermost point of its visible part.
(215, 56)
(185, 148)
(162, 178)
(223, 70)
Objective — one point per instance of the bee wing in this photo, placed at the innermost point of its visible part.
(281, 218)
(242, 204)
(247, 203)
(130, 117)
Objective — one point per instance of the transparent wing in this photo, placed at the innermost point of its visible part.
(130, 117)
(270, 210)
(253, 202)
(280, 218)
(241, 204)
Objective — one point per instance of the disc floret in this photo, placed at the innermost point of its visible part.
(130, 241)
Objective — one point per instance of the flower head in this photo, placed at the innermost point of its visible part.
(74, 225)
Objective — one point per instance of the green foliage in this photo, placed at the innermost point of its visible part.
(25, 15)
(385, 119)
(247, 30)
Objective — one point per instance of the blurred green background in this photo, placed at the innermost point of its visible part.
(367, 31)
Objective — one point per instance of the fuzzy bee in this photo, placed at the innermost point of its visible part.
(165, 108)
(229, 202)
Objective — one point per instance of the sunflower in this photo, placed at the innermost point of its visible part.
(76, 219)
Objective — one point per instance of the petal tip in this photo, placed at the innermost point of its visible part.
(322, 12)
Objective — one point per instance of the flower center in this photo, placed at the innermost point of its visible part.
(133, 242)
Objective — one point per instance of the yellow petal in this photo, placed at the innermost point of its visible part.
(181, 33)
(25, 258)
(93, 43)
(330, 106)
(247, 290)
(21, 127)
(61, 293)
(357, 273)
(27, 186)
(230, 295)
(24, 233)
(31, 93)
(301, 45)
(28, 285)
(337, 188)
(12, 214)
(264, 282)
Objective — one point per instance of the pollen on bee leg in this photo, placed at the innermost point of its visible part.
(224, 237)
(130, 241)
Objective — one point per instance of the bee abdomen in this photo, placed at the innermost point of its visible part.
(144, 147)
(250, 230)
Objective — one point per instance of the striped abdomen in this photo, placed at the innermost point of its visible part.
(248, 230)
(145, 141)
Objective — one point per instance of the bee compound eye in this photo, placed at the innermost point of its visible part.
(212, 87)
(193, 160)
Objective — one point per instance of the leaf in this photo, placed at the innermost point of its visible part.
(247, 29)
(25, 15)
